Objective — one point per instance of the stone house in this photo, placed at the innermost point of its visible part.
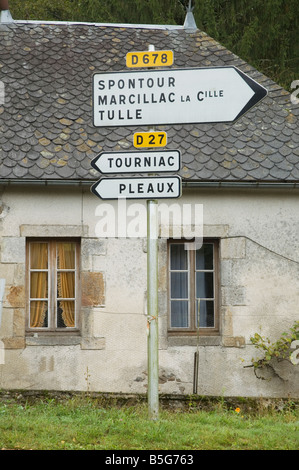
(74, 312)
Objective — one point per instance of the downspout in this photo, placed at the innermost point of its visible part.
(196, 354)
(2, 287)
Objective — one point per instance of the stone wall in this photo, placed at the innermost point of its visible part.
(258, 292)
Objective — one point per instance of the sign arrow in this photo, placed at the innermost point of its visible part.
(138, 188)
(177, 96)
(137, 161)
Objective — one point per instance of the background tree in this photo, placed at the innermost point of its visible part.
(263, 33)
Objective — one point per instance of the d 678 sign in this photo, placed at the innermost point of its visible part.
(149, 59)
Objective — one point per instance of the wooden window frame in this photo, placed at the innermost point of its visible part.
(192, 330)
(52, 287)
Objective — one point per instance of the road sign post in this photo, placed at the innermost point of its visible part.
(152, 309)
(152, 305)
(151, 98)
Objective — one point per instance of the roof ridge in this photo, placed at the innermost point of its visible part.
(114, 25)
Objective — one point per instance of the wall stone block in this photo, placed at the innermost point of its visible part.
(16, 296)
(233, 341)
(91, 247)
(233, 295)
(233, 248)
(93, 289)
(13, 250)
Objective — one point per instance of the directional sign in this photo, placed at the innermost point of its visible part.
(138, 161)
(178, 96)
(149, 59)
(150, 139)
(138, 188)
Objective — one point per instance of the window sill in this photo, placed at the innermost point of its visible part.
(53, 339)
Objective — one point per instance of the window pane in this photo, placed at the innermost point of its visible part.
(206, 313)
(38, 285)
(39, 255)
(204, 257)
(38, 314)
(179, 285)
(65, 255)
(66, 314)
(66, 285)
(178, 257)
(179, 314)
(204, 285)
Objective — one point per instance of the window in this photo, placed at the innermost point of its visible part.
(193, 288)
(52, 274)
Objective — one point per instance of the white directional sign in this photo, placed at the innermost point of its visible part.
(177, 96)
(138, 188)
(137, 161)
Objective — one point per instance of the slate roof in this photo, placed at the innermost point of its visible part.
(46, 129)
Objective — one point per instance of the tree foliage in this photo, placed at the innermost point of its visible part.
(117, 11)
(265, 34)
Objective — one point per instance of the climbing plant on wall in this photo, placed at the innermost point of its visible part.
(278, 350)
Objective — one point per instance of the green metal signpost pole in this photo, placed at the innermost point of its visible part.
(152, 308)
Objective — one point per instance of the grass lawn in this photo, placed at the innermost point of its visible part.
(83, 424)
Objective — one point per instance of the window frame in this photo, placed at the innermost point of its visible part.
(52, 287)
(192, 330)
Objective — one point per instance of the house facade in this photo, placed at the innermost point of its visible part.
(74, 266)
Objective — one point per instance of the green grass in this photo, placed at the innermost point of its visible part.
(82, 424)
